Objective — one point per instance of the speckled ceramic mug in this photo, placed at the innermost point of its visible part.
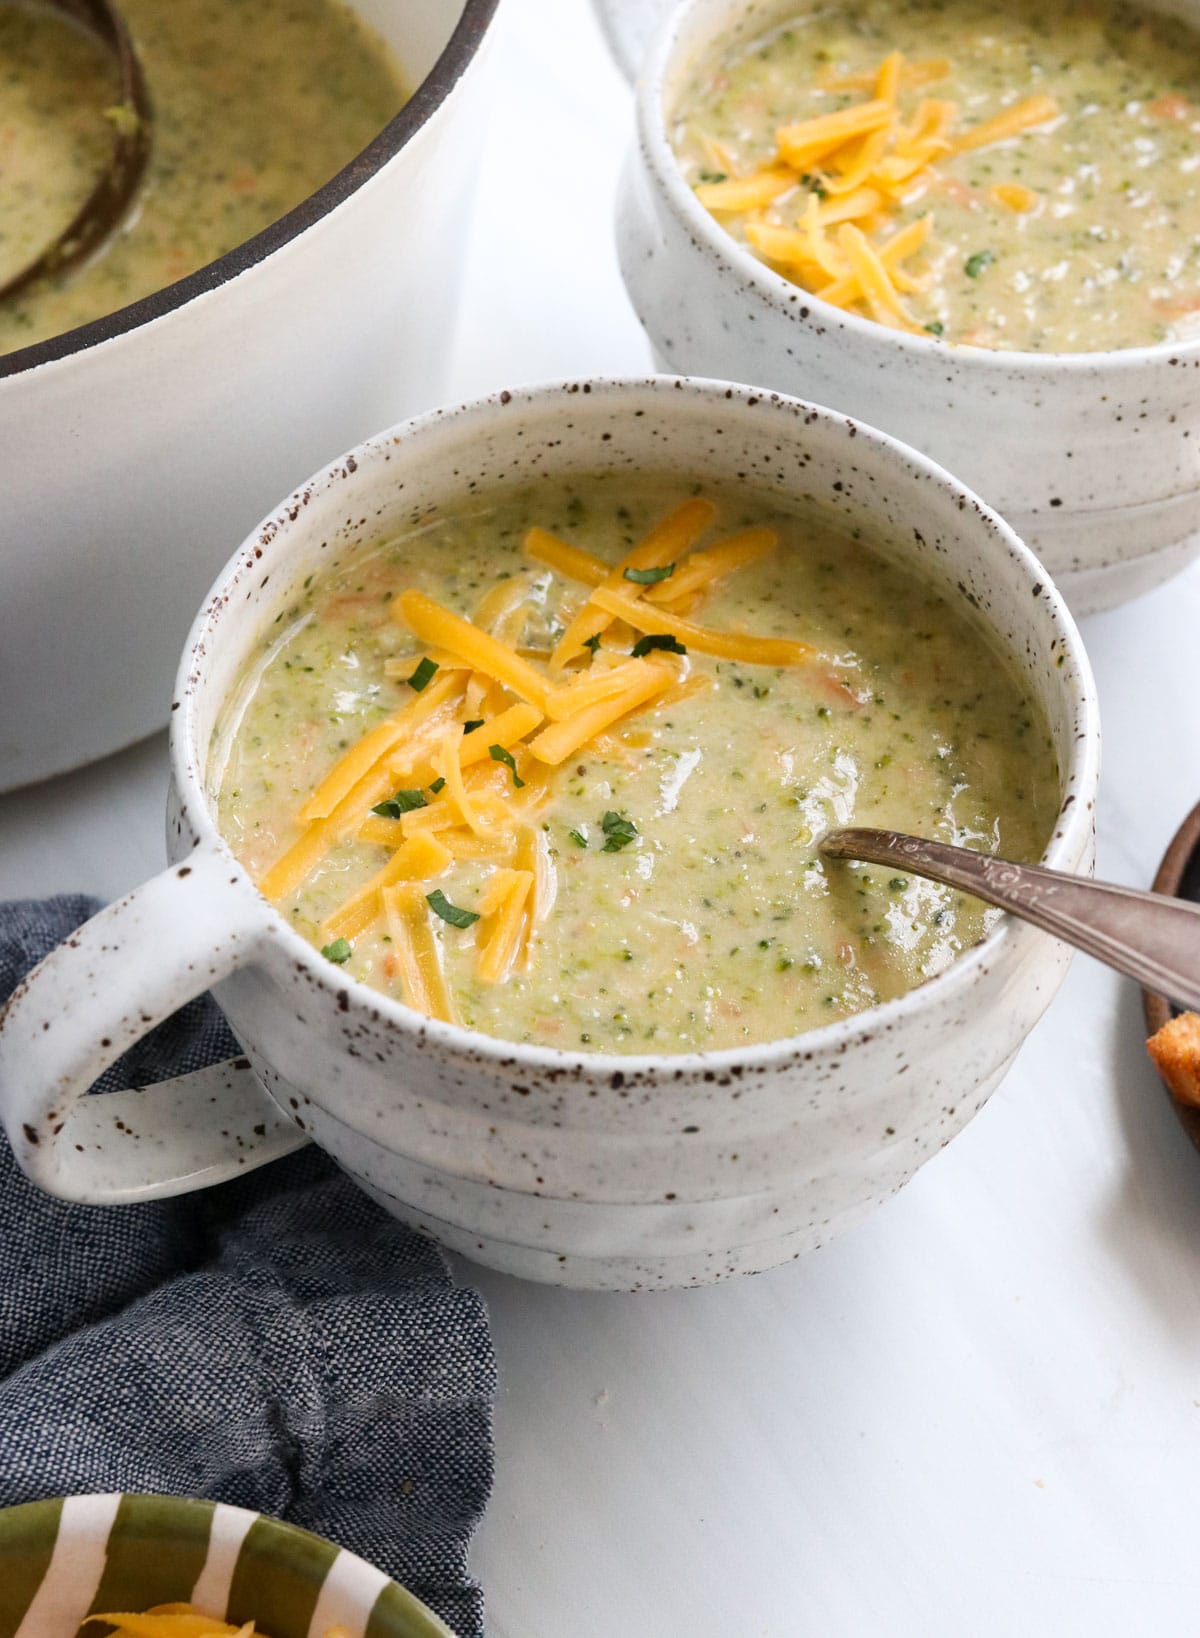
(1094, 458)
(571, 1167)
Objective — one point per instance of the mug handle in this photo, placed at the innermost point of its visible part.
(102, 989)
(629, 26)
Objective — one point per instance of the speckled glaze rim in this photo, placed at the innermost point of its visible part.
(426, 99)
(773, 288)
(69, 1557)
(1079, 778)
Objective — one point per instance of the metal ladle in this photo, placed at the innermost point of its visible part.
(1146, 936)
(106, 206)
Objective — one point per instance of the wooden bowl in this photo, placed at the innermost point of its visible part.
(1179, 876)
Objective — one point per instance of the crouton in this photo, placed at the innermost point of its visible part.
(1176, 1051)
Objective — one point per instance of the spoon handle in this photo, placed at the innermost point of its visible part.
(1147, 936)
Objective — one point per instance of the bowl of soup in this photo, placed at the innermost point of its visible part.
(501, 756)
(283, 285)
(974, 228)
(184, 1567)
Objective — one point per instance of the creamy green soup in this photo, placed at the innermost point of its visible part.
(690, 908)
(1080, 234)
(256, 104)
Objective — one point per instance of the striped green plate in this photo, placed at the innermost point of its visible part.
(63, 1560)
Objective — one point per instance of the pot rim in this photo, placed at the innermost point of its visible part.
(703, 227)
(1080, 773)
(456, 57)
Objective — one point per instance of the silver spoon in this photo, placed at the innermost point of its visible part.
(106, 207)
(1147, 936)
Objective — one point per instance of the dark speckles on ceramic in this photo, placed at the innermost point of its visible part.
(1094, 458)
(572, 1168)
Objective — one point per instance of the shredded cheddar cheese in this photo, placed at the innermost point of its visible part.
(345, 774)
(1015, 196)
(811, 140)
(701, 570)
(499, 605)
(878, 291)
(562, 739)
(419, 857)
(729, 645)
(170, 1621)
(505, 916)
(533, 855)
(183, 1621)
(849, 171)
(289, 871)
(661, 546)
(464, 846)
(1022, 116)
(435, 624)
(750, 193)
(507, 728)
(568, 560)
(461, 772)
(416, 953)
(449, 768)
(587, 689)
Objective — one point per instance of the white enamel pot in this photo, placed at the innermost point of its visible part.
(134, 449)
(577, 1168)
(1094, 458)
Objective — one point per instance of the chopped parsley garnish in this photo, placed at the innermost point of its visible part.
(618, 831)
(714, 176)
(401, 802)
(422, 676)
(578, 838)
(898, 884)
(441, 906)
(438, 785)
(593, 643)
(470, 727)
(937, 328)
(340, 950)
(499, 754)
(645, 645)
(974, 265)
(814, 184)
(650, 577)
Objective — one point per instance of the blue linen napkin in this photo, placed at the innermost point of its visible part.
(278, 1342)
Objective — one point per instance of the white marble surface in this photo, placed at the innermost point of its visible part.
(978, 1413)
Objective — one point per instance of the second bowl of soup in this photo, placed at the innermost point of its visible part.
(501, 757)
(976, 230)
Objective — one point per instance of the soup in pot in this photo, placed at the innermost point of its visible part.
(257, 103)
